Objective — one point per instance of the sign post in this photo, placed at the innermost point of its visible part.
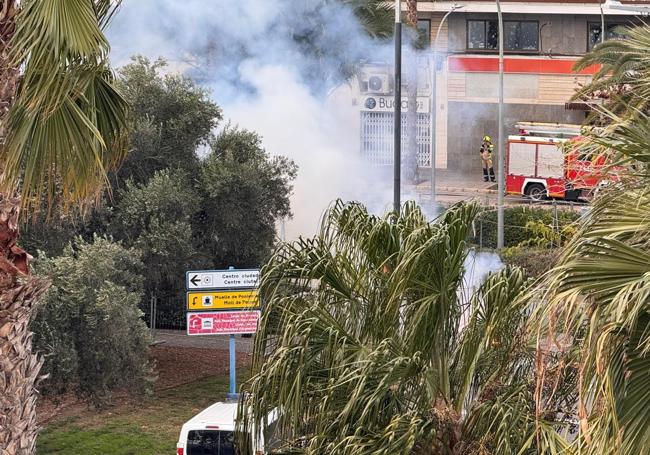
(223, 302)
(232, 390)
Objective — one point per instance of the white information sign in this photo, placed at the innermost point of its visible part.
(223, 279)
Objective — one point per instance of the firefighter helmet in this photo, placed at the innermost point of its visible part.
(487, 139)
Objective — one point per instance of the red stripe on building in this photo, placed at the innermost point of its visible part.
(515, 65)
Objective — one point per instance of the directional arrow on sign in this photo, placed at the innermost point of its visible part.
(196, 280)
(223, 300)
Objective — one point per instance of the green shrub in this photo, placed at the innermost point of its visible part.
(516, 220)
(88, 326)
(534, 261)
(544, 235)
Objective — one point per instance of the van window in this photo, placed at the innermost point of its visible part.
(210, 442)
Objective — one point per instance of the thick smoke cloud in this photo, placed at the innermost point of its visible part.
(312, 37)
(270, 66)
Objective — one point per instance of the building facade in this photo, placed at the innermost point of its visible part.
(542, 40)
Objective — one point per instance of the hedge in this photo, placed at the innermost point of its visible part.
(515, 218)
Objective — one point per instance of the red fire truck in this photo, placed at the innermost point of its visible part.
(541, 163)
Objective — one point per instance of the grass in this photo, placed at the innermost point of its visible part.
(147, 428)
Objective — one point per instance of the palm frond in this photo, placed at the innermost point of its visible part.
(67, 127)
(374, 15)
(364, 346)
(623, 78)
(492, 335)
(603, 284)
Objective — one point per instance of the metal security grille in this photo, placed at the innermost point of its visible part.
(377, 138)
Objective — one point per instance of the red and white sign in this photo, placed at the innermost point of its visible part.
(490, 64)
(222, 323)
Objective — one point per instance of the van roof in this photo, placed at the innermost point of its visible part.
(217, 414)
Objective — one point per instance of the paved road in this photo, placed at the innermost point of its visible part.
(490, 199)
(454, 188)
(180, 339)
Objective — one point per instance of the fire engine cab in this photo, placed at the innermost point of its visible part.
(541, 163)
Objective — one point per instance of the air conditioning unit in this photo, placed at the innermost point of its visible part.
(375, 83)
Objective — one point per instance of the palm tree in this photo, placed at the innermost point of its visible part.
(62, 128)
(599, 298)
(598, 314)
(624, 65)
(370, 345)
(375, 16)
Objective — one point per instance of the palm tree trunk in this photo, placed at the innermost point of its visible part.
(411, 163)
(19, 367)
(8, 74)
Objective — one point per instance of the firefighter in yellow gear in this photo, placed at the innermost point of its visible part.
(486, 158)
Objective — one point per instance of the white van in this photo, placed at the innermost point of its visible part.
(212, 432)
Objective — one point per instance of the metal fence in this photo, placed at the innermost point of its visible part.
(164, 313)
(377, 138)
(484, 235)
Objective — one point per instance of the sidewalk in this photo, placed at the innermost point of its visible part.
(454, 182)
(178, 338)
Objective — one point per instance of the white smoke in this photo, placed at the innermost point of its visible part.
(246, 53)
(316, 135)
(478, 266)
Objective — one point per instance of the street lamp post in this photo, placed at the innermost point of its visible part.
(501, 138)
(397, 155)
(434, 97)
(612, 4)
(602, 24)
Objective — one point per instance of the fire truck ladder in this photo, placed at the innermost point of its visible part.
(555, 130)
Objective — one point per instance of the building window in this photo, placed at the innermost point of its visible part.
(424, 33)
(520, 36)
(482, 35)
(613, 31)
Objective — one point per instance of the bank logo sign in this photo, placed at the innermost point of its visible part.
(386, 104)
